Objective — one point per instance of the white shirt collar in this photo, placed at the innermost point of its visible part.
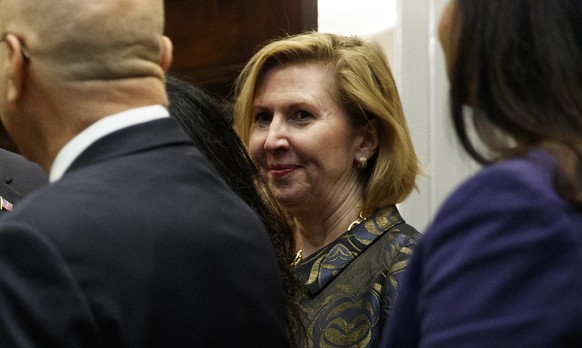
(98, 130)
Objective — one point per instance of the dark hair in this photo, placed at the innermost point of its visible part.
(205, 120)
(518, 64)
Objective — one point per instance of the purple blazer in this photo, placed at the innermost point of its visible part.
(501, 266)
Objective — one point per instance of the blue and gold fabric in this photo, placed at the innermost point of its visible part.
(351, 283)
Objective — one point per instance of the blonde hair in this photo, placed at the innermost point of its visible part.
(364, 86)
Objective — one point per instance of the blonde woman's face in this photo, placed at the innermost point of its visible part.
(300, 138)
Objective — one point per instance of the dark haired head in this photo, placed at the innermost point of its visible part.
(207, 123)
(517, 64)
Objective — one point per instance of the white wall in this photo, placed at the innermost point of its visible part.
(370, 19)
(420, 74)
(411, 43)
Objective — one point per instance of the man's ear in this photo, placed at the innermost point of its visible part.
(167, 53)
(15, 68)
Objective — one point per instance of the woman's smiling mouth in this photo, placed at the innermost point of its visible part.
(280, 170)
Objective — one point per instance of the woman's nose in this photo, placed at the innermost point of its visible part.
(277, 137)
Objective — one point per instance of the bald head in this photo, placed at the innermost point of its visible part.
(88, 59)
(84, 40)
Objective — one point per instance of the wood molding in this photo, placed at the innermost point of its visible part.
(214, 38)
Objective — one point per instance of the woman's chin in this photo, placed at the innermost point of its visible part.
(290, 202)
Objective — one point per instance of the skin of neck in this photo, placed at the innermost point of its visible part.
(61, 116)
(315, 228)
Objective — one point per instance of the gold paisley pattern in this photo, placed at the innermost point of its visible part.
(351, 283)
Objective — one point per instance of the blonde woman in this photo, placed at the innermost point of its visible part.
(321, 117)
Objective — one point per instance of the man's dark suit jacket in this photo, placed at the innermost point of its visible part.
(139, 244)
(18, 176)
(501, 266)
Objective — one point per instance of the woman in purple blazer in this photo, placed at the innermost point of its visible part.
(501, 265)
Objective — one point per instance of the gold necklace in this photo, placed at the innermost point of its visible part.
(356, 222)
(298, 258)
